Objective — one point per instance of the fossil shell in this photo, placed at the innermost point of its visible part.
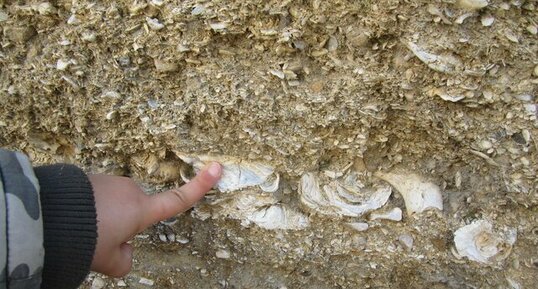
(254, 206)
(487, 20)
(479, 243)
(154, 23)
(441, 63)
(419, 195)
(406, 240)
(392, 215)
(237, 174)
(472, 4)
(335, 200)
(462, 18)
(358, 226)
(279, 217)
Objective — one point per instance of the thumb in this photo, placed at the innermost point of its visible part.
(170, 203)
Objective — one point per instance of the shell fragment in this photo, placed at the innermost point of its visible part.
(336, 200)
(419, 195)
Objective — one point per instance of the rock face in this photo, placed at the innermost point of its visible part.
(412, 119)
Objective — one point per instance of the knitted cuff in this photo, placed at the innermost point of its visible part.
(69, 222)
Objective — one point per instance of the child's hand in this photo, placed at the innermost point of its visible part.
(123, 210)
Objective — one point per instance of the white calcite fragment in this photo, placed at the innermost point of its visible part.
(478, 242)
(487, 20)
(441, 63)
(73, 20)
(237, 174)
(335, 199)
(358, 226)
(392, 215)
(406, 240)
(462, 18)
(98, 283)
(154, 24)
(62, 64)
(223, 254)
(218, 26)
(418, 194)
(146, 281)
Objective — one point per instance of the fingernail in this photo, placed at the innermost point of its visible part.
(214, 169)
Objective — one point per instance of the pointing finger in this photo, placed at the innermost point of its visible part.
(170, 203)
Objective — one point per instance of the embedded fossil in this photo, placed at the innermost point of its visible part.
(440, 63)
(394, 214)
(279, 217)
(335, 199)
(419, 195)
(237, 174)
(478, 242)
(253, 206)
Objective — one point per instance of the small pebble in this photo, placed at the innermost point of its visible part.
(88, 36)
(532, 29)
(510, 35)
(162, 237)
(3, 16)
(198, 9)
(62, 64)
(485, 144)
(487, 20)
(359, 226)
(154, 23)
(98, 283)
(182, 240)
(121, 283)
(406, 240)
(146, 281)
(223, 254)
(73, 20)
(277, 73)
(171, 237)
(165, 66)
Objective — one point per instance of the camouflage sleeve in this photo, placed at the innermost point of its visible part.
(21, 225)
(48, 209)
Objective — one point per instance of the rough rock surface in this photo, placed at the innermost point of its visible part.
(446, 89)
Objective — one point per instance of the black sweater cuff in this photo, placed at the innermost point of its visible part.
(69, 222)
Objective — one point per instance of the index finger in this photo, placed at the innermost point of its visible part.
(170, 203)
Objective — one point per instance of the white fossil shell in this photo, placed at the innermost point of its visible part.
(406, 240)
(487, 20)
(154, 23)
(446, 96)
(419, 195)
(479, 243)
(279, 217)
(358, 226)
(472, 4)
(462, 18)
(392, 215)
(441, 63)
(335, 200)
(254, 206)
(218, 26)
(237, 174)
